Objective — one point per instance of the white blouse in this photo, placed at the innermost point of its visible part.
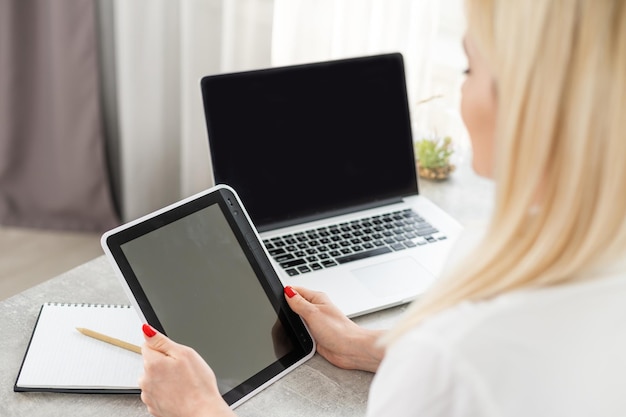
(558, 351)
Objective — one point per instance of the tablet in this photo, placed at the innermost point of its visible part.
(197, 271)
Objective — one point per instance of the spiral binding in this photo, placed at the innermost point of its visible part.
(88, 305)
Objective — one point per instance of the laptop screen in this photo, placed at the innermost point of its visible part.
(303, 142)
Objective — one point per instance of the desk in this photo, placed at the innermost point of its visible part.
(316, 388)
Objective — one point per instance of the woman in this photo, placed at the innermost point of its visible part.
(533, 322)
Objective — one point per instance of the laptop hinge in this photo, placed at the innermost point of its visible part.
(328, 214)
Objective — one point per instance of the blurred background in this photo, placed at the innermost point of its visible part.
(101, 115)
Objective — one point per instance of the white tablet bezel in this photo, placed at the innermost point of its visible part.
(249, 241)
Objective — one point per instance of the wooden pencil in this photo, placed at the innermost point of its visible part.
(110, 340)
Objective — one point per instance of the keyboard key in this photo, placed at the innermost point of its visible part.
(363, 255)
(292, 272)
(292, 263)
(275, 252)
(284, 257)
(328, 264)
(427, 232)
(398, 246)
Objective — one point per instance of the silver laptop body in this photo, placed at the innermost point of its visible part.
(322, 157)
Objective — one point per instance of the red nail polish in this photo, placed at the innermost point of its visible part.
(289, 292)
(148, 330)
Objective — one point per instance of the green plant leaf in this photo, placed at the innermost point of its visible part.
(433, 153)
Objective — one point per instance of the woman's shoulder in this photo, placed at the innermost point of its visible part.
(532, 312)
(553, 344)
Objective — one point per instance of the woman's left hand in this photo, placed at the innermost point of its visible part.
(177, 381)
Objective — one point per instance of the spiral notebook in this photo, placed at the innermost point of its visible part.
(61, 359)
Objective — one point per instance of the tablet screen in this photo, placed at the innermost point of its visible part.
(198, 279)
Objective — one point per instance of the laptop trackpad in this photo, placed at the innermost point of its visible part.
(402, 275)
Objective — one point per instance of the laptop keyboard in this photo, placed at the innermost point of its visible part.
(329, 246)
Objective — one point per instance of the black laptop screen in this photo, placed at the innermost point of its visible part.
(304, 141)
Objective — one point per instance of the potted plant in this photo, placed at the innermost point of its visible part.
(433, 158)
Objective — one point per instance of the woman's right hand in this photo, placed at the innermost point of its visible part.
(177, 382)
(341, 341)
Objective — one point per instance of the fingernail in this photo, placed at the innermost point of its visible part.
(148, 330)
(289, 292)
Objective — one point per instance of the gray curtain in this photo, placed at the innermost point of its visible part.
(53, 171)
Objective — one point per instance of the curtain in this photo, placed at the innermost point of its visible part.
(306, 31)
(53, 171)
(164, 47)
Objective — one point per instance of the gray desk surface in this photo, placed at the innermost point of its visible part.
(316, 388)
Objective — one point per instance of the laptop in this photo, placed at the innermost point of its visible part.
(321, 155)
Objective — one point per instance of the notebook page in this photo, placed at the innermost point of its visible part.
(61, 357)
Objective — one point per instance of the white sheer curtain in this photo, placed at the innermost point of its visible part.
(163, 48)
(306, 31)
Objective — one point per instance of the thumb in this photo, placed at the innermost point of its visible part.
(297, 302)
(157, 341)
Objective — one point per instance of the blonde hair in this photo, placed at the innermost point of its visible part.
(559, 68)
